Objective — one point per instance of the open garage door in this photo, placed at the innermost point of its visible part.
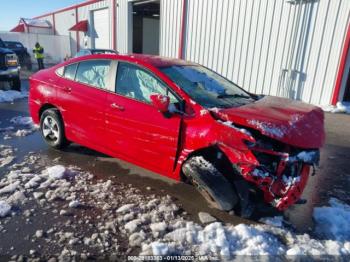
(101, 29)
(146, 27)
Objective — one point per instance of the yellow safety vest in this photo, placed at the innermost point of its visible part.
(38, 52)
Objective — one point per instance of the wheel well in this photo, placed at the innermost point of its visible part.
(45, 107)
(216, 156)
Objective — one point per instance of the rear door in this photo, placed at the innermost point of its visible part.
(135, 128)
(82, 96)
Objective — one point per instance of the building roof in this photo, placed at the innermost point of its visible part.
(35, 22)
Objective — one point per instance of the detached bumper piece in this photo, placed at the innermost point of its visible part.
(282, 177)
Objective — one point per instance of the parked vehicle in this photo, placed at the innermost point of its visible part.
(183, 121)
(21, 52)
(9, 67)
(92, 51)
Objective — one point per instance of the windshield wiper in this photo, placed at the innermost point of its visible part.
(233, 95)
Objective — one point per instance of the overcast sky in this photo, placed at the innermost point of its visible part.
(12, 10)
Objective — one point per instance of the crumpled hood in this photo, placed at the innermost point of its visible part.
(289, 121)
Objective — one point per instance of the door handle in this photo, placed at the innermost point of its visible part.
(67, 89)
(116, 106)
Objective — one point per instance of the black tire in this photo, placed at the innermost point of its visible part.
(52, 129)
(211, 183)
(15, 84)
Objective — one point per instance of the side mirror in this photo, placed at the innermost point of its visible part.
(160, 102)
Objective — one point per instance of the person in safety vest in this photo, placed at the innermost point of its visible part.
(39, 55)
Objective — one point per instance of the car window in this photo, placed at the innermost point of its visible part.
(93, 72)
(60, 71)
(69, 71)
(135, 82)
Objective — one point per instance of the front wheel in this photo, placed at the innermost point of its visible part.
(52, 129)
(16, 84)
(211, 183)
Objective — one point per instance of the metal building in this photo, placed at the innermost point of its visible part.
(291, 48)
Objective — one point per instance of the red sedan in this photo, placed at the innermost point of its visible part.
(183, 121)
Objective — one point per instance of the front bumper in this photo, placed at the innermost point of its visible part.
(284, 187)
(9, 73)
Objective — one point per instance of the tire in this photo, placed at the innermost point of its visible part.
(52, 129)
(211, 183)
(15, 84)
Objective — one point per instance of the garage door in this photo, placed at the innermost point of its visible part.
(101, 30)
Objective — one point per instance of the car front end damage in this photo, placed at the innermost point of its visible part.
(281, 176)
(282, 140)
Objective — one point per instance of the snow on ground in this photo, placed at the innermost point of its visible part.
(22, 120)
(340, 107)
(11, 95)
(151, 224)
(6, 155)
(333, 221)
(24, 124)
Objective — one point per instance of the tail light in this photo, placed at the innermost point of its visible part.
(11, 60)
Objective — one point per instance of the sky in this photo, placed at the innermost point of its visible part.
(12, 10)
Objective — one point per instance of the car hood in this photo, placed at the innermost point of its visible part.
(289, 121)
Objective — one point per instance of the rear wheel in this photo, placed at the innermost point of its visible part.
(52, 129)
(210, 182)
(15, 84)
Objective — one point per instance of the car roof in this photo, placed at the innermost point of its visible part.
(153, 60)
(158, 61)
(17, 42)
(97, 49)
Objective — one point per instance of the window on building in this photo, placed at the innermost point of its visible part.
(94, 72)
(135, 82)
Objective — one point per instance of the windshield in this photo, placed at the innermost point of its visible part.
(206, 87)
(13, 45)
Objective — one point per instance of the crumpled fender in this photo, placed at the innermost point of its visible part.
(229, 139)
(238, 157)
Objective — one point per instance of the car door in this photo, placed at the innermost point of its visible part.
(82, 97)
(136, 130)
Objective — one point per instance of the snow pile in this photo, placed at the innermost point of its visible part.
(25, 124)
(119, 215)
(276, 221)
(4, 209)
(22, 120)
(11, 95)
(6, 155)
(340, 107)
(334, 221)
(55, 172)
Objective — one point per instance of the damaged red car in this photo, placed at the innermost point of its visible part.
(183, 121)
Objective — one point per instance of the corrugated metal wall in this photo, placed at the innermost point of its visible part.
(84, 13)
(124, 33)
(287, 48)
(66, 19)
(170, 27)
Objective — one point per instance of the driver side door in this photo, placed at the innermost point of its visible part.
(137, 131)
